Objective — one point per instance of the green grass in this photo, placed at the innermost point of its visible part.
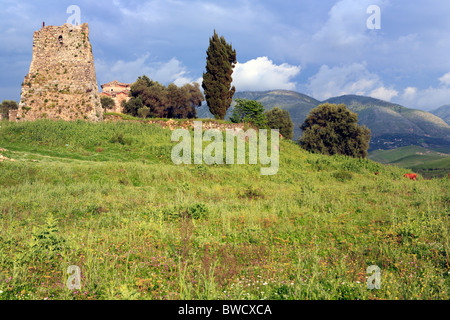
(434, 168)
(406, 156)
(429, 163)
(140, 227)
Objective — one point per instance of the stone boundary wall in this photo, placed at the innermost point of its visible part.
(12, 115)
(186, 124)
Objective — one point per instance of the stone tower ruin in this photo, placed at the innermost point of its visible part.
(61, 83)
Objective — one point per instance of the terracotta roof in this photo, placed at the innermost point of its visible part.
(115, 83)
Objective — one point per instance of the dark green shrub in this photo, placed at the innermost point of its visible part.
(281, 120)
(198, 211)
(333, 129)
(251, 193)
(119, 138)
(342, 175)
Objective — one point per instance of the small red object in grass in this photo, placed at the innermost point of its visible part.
(412, 176)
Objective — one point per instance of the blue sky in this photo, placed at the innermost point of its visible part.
(320, 48)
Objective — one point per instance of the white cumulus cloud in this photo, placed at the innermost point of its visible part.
(445, 79)
(409, 95)
(384, 93)
(429, 98)
(262, 74)
(172, 71)
(348, 79)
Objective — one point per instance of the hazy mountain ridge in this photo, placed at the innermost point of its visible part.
(383, 117)
(392, 125)
(443, 113)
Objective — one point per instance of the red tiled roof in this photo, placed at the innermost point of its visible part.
(115, 83)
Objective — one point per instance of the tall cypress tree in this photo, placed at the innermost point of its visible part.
(217, 80)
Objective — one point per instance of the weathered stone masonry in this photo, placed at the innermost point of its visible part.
(61, 83)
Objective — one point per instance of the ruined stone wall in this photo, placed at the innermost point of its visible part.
(12, 115)
(186, 123)
(61, 83)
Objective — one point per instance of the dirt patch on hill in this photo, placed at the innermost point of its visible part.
(3, 158)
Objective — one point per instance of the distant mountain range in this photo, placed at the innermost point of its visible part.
(443, 113)
(392, 125)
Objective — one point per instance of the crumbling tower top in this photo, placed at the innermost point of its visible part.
(61, 83)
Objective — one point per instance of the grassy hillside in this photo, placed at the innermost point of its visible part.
(106, 197)
(396, 155)
(428, 162)
(443, 113)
